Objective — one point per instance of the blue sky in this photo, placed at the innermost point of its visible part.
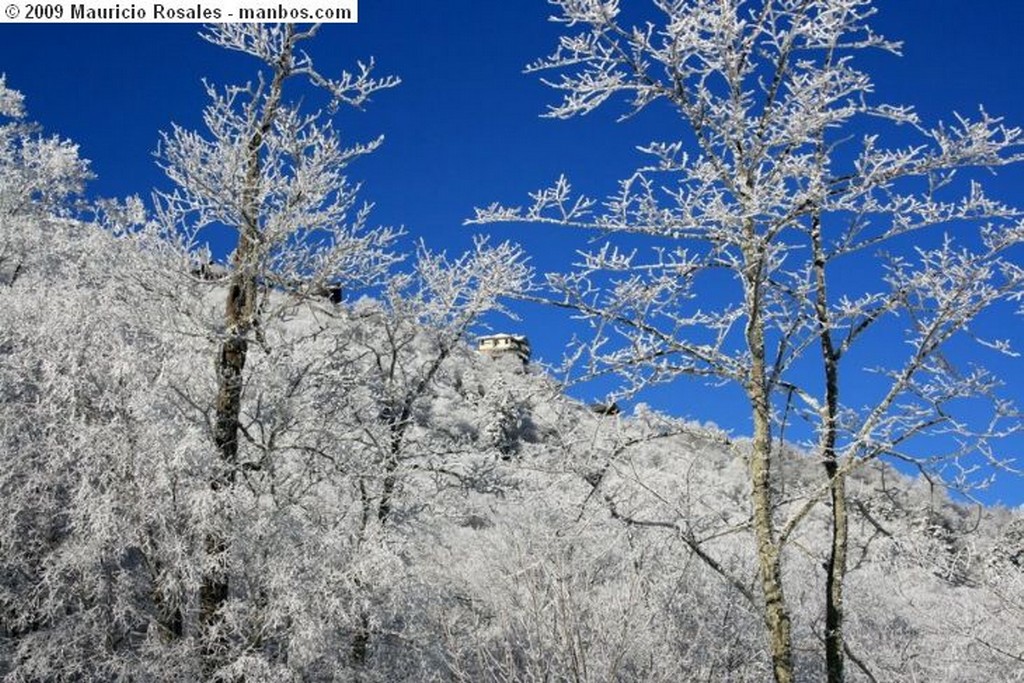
(463, 129)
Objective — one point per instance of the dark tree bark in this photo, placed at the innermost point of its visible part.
(835, 566)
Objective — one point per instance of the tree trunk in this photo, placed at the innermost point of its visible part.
(361, 640)
(835, 567)
(390, 474)
(776, 613)
(768, 552)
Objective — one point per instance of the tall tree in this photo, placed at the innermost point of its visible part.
(779, 176)
(276, 177)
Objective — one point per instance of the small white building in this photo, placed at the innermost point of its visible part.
(495, 345)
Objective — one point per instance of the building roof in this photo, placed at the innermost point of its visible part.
(514, 337)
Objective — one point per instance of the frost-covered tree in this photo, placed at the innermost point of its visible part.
(406, 344)
(507, 413)
(275, 176)
(38, 175)
(779, 175)
(443, 297)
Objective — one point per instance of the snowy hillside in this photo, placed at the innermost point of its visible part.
(506, 533)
